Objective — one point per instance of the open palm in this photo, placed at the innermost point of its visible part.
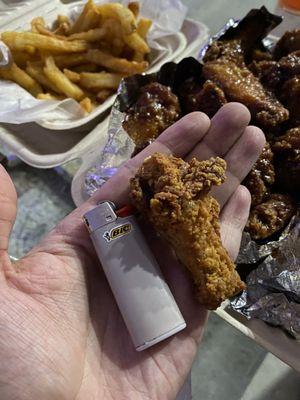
(61, 334)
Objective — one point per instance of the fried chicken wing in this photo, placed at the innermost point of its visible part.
(261, 55)
(287, 160)
(155, 110)
(230, 50)
(290, 97)
(239, 84)
(283, 79)
(273, 74)
(261, 176)
(246, 37)
(208, 98)
(270, 217)
(268, 72)
(174, 196)
(288, 43)
(290, 65)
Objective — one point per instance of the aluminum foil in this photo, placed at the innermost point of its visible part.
(252, 252)
(273, 287)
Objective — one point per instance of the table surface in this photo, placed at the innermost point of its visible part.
(44, 198)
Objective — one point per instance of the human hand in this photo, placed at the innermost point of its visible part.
(61, 333)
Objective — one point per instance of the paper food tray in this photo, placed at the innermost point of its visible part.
(45, 148)
(16, 15)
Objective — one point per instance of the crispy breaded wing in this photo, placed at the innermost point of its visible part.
(174, 196)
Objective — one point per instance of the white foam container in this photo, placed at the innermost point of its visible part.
(48, 144)
(17, 14)
(273, 339)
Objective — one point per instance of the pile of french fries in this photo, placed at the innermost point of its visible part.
(84, 60)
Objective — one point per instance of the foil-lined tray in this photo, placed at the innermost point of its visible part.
(271, 270)
(273, 287)
(119, 146)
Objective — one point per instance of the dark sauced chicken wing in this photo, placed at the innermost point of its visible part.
(273, 74)
(174, 196)
(155, 110)
(290, 97)
(261, 177)
(270, 217)
(208, 98)
(283, 79)
(260, 55)
(230, 50)
(288, 43)
(239, 84)
(290, 65)
(268, 72)
(287, 160)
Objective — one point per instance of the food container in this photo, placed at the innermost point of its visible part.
(47, 144)
(18, 19)
(273, 339)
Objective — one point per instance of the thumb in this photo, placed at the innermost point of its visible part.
(8, 209)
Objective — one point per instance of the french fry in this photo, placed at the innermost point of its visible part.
(73, 76)
(36, 21)
(121, 13)
(117, 47)
(114, 28)
(93, 35)
(29, 49)
(16, 74)
(138, 57)
(135, 42)
(63, 29)
(86, 104)
(62, 25)
(143, 27)
(21, 58)
(44, 31)
(49, 96)
(116, 64)
(38, 26)
(103, 95)
(62, 19)
(19, 41)
(102, 80)
(71, 60)
(88, 19)
(134, 7)
(58, 78)
(36, 72)
(86, 68)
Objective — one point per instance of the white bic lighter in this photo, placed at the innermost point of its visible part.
(144, 299)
